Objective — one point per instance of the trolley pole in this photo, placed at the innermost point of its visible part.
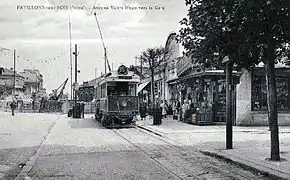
(70, 57)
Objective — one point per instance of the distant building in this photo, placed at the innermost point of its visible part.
(86, 90)
(33, 81)
(7, 80)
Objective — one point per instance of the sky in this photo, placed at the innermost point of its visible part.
(40, 35)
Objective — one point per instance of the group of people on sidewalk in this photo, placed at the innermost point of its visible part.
(164, 109)
(173, 108)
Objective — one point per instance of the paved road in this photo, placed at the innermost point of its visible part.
(20, 136)
(58, 147)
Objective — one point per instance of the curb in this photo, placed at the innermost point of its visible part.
(146, 129)
(259, 170)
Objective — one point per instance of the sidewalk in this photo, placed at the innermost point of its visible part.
(251, 144)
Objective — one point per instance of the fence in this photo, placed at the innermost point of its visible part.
(49, 106)
(89, 108)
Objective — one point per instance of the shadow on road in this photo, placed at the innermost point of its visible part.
(85, 123)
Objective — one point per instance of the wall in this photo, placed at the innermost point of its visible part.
(244, 115)
(243, 99)
(261, 119)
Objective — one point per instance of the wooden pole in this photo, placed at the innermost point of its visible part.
(76, 73)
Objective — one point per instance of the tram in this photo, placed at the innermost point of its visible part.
(116, 99)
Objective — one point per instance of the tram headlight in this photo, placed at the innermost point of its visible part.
(124, 103)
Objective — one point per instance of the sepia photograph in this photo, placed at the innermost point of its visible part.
(144, 89)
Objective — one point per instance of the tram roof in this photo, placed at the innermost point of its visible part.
(113, 76)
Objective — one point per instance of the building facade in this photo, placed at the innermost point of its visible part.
(252, 106)
(170, 76)
(165, 77)
(33, 81)
(7, 82)
(86, 91)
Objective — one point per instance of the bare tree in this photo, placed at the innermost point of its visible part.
(154, 59)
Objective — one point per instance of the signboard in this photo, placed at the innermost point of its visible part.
(123, 70)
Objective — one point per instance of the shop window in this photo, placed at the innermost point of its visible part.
(221, 96)
(259, 93)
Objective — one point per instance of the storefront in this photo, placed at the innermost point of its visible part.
(206, 92)
(252, 110)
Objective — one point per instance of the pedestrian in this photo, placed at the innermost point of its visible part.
(142, 111)
(162, 108)
(166, 107)
(185, 107)
(175, 109)
(83, 109)
(13, 106)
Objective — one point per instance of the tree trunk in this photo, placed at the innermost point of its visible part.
(152, 89)
(272, 105)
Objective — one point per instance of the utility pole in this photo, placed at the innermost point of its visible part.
(76, 74)
(14, 65)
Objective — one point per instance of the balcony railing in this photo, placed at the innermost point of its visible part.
(183, 65)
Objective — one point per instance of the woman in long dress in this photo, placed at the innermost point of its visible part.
(162, 105)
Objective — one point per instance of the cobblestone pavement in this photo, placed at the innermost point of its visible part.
(81, 149)
(184, 162)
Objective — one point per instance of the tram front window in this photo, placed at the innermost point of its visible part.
(122, 89)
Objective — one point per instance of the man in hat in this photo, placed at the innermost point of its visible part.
(83, 109)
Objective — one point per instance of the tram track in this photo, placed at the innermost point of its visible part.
(191, 159)
(147, 154)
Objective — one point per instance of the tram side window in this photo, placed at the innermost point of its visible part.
(103, 91)
(132, 90)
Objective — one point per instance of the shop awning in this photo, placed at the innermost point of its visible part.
(142, 86)
(172, 80)
(207, 73)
